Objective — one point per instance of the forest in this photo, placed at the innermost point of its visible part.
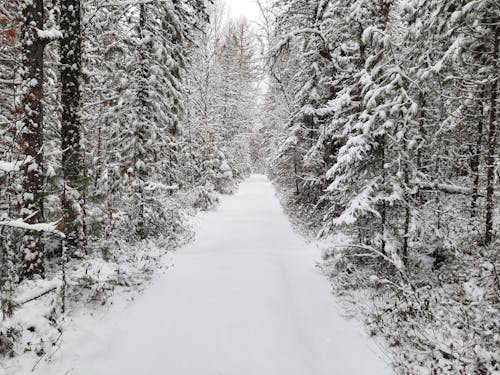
(376, 121)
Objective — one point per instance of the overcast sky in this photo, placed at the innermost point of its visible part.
(247, 8)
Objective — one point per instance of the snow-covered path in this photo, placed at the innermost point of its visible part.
(244, 299)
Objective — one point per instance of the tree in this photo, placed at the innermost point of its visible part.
(382, 95)
(223, 85)
(73, 165)
(31, 140)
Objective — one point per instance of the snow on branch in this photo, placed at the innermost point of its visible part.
(42, 227)
(10, 82)
(135, 2)
(445, 188)
(49, 34)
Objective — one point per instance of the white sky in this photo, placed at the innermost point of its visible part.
(246, 8)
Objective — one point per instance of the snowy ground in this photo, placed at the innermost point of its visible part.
(244, 299)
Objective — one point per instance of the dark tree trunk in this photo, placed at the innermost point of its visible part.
(72, 155)
(476, 160)
(406, 234)
(142, 123)
(492, 142)
(382, 144)
(31, 141)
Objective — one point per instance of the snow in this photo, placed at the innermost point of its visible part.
(13, 166)
(37, 289)
(447, 188)
(41, 227)
(50, 34)
(245, 298)
(8, 167)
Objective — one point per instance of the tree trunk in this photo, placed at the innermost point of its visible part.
(31, 140)
(476, 159)
(72, 154)
(492, 143)
(406, 234)
(383, 207)
(140, 130)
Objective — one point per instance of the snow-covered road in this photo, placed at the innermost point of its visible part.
(244, 299)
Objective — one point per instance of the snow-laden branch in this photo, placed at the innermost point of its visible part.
(134, 2)
(42, 227)
(445, 188)
(10, 82)
(49, 35)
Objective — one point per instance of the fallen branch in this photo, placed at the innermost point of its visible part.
(45, 292)
(7, 305)
(53, 286)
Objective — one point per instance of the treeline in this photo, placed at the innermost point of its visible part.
(114, 117)
(383, 126)
(391, 117)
